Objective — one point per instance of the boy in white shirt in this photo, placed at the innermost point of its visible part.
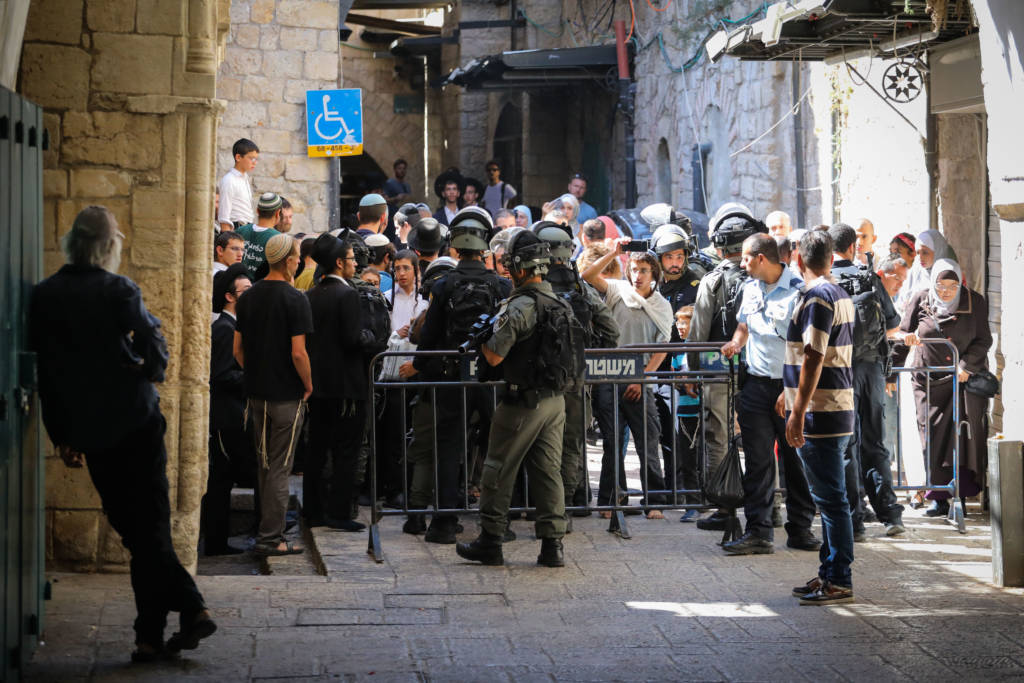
(236, 205)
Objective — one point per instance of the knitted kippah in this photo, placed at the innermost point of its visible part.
(278, 248)
(372, 199)
(270, 201)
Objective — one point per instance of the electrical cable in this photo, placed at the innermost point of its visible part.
(659, 10)
(792, 110)
(632, 20)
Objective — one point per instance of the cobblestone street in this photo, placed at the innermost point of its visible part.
(665, 605)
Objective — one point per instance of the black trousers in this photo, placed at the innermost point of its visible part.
(336, 427)
(762, 428)
(131, 478)
(867, 458)
(232, 460)
(680, 464)
(642, 418)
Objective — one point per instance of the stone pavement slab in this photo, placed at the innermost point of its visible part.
(667, 605)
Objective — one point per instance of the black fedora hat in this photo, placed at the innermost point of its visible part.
(452, 175)
(223, 283)
(425, 236)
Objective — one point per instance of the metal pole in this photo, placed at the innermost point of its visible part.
(798, 149)
(627, 96)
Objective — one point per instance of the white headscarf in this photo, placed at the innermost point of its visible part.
(938, 305)
(934, 240)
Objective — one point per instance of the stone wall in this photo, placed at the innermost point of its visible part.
(128, 89)
(275, 51)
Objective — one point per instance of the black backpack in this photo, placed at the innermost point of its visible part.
(376, 316)
(869, 321)
(560, 364)
(724, 322)
(467, 299)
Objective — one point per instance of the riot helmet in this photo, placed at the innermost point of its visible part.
(359, 248)
(732, 224)
(471, 229)
(670, 237)
(526, 251)
(558, 238)
(659, 214)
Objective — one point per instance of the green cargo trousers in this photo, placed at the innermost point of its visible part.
(572, 444)
(530, 436)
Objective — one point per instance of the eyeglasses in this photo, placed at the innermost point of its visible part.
(578, 176)
(947, 289)
(349, 258)
(642, 271)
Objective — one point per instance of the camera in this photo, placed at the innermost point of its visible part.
(637, 245)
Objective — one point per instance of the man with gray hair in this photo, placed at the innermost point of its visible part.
(99, 353)
(778, 224)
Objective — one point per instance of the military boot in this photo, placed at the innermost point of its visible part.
(486, 548)
(551, 553)
(415, 524)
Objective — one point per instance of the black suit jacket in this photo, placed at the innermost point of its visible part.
(335, 353)
(99, 352)
(227, 392)
(440, 216)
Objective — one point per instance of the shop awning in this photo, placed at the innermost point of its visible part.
(531, 69)
(831, 30)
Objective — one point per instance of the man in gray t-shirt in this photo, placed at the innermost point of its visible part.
(498, 193)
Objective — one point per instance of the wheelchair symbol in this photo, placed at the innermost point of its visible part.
(334, 117)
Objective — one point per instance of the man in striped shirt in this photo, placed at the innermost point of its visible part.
(818, 396)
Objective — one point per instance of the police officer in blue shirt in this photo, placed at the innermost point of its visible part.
(766, 306)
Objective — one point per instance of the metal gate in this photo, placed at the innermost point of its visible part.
(22, 139)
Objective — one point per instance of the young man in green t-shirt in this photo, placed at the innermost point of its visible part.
(268, 214)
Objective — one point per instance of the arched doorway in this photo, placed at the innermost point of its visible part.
(508, 145)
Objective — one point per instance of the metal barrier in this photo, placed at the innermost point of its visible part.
(615, 367)
(956, 510)
(619, 366)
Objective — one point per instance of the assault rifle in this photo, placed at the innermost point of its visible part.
(480, 332)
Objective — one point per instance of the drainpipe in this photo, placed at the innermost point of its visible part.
(627, 103)
(798, 150)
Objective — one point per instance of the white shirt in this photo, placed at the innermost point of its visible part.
(236, 204)
(407, 307)
(449, 214)
(218, 267)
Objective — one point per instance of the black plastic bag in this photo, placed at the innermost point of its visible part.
(724, 487)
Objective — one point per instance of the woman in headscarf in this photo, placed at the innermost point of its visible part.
(524, 217)
(929, 246)
(947, 309)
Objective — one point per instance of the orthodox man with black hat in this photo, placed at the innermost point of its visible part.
(270, 345)
(99, 353)
(539, 346)
(231, 453)
(337, 408)
(714, 319)
(600, 331)
(457, 301)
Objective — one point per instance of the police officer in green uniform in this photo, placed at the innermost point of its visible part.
(601, 332)
(529, 421)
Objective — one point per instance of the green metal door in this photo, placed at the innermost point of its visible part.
(21, 468)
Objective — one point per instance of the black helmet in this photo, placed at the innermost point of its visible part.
(359, 248)
(558, 238)
(425, 236)
(435, 270)
(471, 229)
(526, 251)
(731, 225)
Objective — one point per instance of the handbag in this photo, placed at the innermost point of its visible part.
(390, 364)
(982, 383)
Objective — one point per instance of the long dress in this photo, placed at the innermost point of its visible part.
(969, 332)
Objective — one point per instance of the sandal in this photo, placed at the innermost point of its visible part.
(275, 550)
(655, 514)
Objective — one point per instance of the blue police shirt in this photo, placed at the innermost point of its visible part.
(767, 317)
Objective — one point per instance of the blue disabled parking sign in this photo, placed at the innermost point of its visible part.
(334, 122)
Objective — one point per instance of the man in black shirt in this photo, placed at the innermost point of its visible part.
(270, 343)
(100, 352)
(868, 466)
(337, 409)
(231, 454)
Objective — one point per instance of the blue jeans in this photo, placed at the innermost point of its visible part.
(823, 465)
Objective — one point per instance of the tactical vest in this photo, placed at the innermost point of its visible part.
(467, 297)
(567, 287)
(555, 345)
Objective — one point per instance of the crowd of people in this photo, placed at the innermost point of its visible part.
(815, 317)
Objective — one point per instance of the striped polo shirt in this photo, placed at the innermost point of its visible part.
(823, 320)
